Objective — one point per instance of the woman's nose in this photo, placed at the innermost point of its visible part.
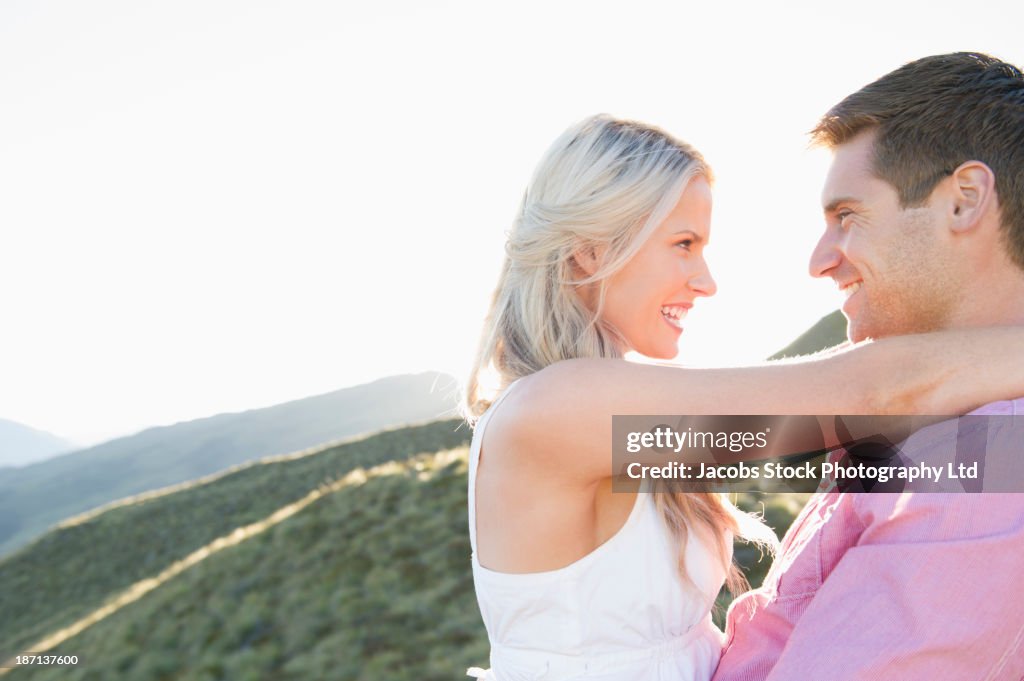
(704, 284)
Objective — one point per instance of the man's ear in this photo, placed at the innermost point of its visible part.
(973, 194)
(587, 259)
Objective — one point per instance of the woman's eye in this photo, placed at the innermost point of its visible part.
(685, 243)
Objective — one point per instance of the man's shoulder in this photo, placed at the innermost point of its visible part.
(1014, 407)
(978, 452)
(937, 516)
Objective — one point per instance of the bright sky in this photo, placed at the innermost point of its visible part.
(209, 206)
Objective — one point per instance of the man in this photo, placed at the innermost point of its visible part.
(924, 209)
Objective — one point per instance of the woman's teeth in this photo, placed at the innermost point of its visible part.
(674, 315)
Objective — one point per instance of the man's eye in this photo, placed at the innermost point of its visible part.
(842, 215)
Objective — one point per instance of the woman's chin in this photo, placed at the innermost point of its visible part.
(659, 353)
(655, 346)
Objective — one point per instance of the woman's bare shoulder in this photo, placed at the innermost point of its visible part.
(531, 422)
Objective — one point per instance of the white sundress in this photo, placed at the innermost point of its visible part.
(620, 613)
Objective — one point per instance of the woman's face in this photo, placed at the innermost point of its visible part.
(648, 298)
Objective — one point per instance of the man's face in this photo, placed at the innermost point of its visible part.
(893, 267)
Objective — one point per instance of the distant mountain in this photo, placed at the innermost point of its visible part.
(21, 444)
(36, 496)
(830, 330)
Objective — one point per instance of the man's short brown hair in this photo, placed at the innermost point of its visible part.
(935, 113)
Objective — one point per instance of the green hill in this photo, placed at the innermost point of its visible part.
(82, 563)
(350, 562)
(35, 497)
(829, 331)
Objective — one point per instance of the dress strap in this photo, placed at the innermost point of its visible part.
(474, 460)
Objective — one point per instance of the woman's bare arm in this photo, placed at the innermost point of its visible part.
(560, 418)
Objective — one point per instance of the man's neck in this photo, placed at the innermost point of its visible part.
(992, 301)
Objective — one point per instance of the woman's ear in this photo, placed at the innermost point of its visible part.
(973, 194)
(587, 259)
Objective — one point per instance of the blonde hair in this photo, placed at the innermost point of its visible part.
(605, 184)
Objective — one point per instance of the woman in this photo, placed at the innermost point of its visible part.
(606, 257)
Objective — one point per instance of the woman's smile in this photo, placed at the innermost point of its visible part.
(674, 314)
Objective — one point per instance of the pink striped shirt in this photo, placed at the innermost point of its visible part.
(914, 587)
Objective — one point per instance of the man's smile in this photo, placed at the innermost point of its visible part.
(850, 288)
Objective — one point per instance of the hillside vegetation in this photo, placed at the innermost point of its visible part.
(71, 570)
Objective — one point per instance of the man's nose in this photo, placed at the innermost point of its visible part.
(826, 256)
